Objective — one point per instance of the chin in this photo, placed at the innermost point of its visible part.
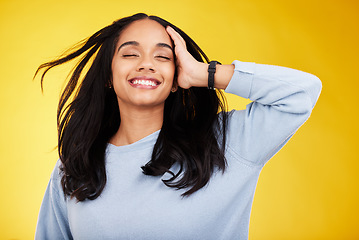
(146, 102)
(149, 99)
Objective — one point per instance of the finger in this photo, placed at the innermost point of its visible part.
(176, 37)
(179, 37)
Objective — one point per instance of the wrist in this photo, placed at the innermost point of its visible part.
(200, 78)
(222, 75)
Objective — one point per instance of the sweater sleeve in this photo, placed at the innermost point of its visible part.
(52, 221)
(282, 100)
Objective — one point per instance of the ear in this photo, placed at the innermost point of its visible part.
(109, 84)
(174, 86)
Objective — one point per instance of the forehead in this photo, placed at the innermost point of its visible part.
(145, 31)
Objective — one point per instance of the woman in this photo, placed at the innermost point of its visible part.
(147, 100)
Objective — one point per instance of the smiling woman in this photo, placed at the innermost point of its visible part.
(144, 61)
(146, 100)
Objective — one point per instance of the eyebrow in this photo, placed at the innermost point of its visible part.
(135, 43)
(164, 45)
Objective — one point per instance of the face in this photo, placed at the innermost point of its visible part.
(143, 65)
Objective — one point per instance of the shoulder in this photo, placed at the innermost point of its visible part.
(57, 171)
(56, 175)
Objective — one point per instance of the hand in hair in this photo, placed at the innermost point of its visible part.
(190, 71)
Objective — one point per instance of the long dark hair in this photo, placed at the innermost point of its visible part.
(192, 134)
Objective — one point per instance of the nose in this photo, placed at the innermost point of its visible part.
(146, 64)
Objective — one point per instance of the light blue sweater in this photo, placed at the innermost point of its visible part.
(136, 206)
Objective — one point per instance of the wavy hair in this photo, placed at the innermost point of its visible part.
(88, 115)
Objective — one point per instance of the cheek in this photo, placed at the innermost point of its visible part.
(119, 71)
(169, 72)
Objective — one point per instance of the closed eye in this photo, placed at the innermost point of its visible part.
(163, 57)
(129, 55)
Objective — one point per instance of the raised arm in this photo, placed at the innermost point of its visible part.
(283, 99)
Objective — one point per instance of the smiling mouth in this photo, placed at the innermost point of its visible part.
(144, 82)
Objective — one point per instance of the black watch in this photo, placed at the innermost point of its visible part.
(211, 72)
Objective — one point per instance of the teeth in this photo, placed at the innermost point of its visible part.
(144, 82)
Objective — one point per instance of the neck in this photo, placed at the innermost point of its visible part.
(137, 123)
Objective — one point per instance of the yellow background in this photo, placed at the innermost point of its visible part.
(309, 190)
